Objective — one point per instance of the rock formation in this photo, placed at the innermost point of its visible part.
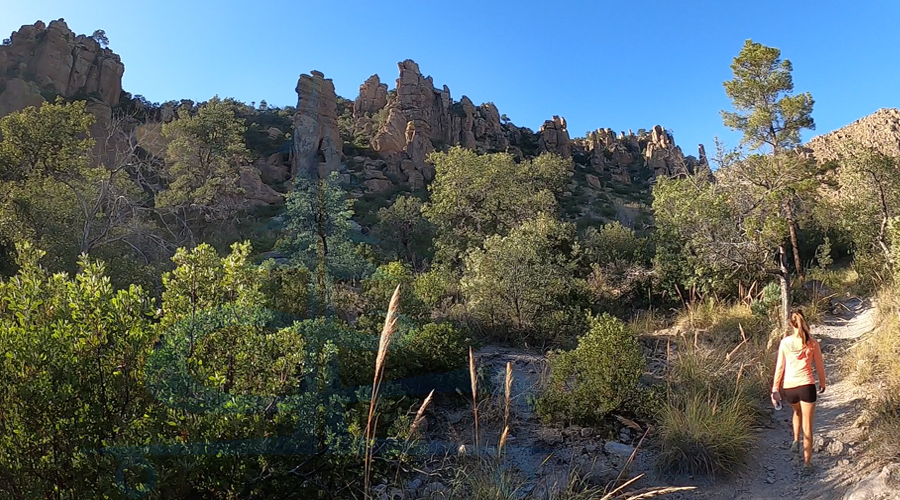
(317, 141)
(554, 137)
(655, 151)
(418, 119)
(52, 59)
(880, 130)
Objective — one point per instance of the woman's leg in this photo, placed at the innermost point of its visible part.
(798, 418)
(809, 416)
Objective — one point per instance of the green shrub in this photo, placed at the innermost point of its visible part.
(768, 301)
(597, 377)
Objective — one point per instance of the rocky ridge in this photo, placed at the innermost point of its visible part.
(404, 125)
(880, 130)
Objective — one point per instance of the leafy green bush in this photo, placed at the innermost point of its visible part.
(768, 301)
(599, 376)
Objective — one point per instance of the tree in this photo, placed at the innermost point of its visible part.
(514, 280)
(101, 38)
(766, 111)
(868, 196)
(204, 159)
(405, 231)
(318, 221)
(703, 241)
(474, 196)
(760, 92)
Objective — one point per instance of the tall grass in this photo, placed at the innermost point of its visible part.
(875, 361)
(384, 341)
(718, 383)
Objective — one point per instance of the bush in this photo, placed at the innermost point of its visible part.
(599, 376)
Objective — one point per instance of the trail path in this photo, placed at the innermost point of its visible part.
(773, 471)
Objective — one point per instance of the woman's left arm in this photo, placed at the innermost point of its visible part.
(820, 367)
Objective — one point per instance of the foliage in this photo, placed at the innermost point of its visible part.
(73, 354)
(474, 197)
(204, 158)
(599, 376)
(761, 91)
(768, 300)
(46, 142)
(318, 222)
(868, 197)
(405, 232)
(101, 38)
(701, 241)
(515, 282)
(378, 288)
(55, 196)
(614, 242)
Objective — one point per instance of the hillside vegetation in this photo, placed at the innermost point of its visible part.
(187, 310)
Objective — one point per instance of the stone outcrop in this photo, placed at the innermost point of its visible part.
(554, 138)
(419, 118)
(55, 60)
(880, 130)
(655, 151)
(316, 149)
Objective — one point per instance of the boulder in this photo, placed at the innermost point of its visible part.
(19, 95)
(884, 485)
(257, 192)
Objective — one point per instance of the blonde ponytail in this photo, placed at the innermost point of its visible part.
(798, 323)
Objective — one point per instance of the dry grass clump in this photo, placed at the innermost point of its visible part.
(875, 360)
(718, 384)
(722, 323)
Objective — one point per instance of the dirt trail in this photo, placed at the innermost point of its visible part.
(775, 472)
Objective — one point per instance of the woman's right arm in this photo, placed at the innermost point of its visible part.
(779, 371)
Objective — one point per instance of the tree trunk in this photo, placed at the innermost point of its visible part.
(785, 280)
(795, 245)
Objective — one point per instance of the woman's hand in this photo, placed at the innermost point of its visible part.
(822, 388)
(776, 397)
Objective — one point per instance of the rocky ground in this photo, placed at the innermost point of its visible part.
(545, 458)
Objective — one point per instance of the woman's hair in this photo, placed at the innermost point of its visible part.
(798, 323)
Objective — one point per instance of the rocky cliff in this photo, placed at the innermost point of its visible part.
(880, 130)
(42, 60)
(407, 123)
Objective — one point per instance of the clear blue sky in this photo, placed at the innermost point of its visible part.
(614, 64)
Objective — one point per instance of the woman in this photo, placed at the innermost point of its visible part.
(793, 373)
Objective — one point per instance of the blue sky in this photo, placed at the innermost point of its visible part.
(614, 64)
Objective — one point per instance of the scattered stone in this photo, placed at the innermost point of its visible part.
(587, 432)
(618, 449)
(836, 448)
(435, 491)
(818, 444)
(591, 448)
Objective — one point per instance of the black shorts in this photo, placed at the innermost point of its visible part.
(805, 393)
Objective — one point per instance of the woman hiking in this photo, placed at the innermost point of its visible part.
(797, 354)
